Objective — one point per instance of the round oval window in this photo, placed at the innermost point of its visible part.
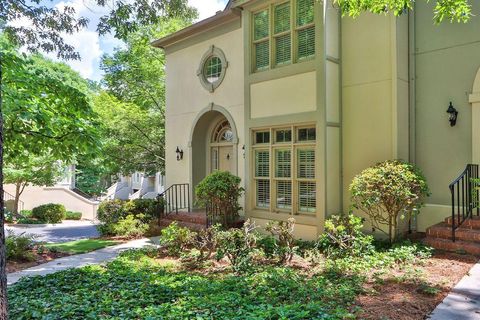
(212, 69)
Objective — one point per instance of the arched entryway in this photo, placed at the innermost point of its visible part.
(474, 99)
(213, 144)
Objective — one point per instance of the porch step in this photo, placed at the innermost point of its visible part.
(444, 231)
(457, 246)
(198, 217)
(471, 223)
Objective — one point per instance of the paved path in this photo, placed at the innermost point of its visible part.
(463, 302)
(63, 232)
(80, 260)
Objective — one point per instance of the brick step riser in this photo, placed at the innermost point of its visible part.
(189, 225)
(459, 235)
(469, 224)
(185, 218)
(440, 244)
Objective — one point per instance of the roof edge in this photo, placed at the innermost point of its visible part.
(222, 17)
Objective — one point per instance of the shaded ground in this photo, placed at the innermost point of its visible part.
(414, 292)
(66, 231)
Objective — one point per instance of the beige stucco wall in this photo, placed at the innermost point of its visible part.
(447, 59)
(288, 95)
(34, 196)
(186, 98)
(301, 231)
(374, 93)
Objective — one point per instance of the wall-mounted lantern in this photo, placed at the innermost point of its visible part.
(228, 156)
(179, 154)
(453, 114)
(243, 150)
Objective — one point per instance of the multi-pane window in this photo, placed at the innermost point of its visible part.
(213, 69)
(284, 170)
(289, 38)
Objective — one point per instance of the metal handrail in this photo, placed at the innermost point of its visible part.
(176, 197)
(465, 196)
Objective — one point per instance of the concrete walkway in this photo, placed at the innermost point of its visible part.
(463, 302)
(80, 260)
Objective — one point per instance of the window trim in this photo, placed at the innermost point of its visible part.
(212, 52)
(272, 37)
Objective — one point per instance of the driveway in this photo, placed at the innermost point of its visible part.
(63, 232)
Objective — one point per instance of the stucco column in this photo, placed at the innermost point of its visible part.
(474, 99)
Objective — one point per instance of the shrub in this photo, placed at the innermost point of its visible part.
(49, 213)
(343, 237)
(239, 246)
(388, 191)
(220, 192)
(284, 244)
(176, 239)
(8, 216)
(145, 207)
(204, 245)
(26, 213)
(73, 215)
(130, 227)
(19, 247)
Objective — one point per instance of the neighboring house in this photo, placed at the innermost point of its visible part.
(136, 186)
(296, 101)
(63, 192)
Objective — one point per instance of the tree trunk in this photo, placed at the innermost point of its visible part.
(18, 185)
(3, 262)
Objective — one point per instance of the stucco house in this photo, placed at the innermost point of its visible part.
(296, 101)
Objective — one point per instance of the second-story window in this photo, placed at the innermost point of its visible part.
(283, 33)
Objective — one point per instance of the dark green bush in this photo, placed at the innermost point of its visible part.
(49, 213)
(221, 190)
(131, 227)
(343, 237)
(26, 213)
(19, 247)
(73, 215)
(111, 212)
(8, 216)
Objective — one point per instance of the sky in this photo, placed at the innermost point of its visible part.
(91, 47)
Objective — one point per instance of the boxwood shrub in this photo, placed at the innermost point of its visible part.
(49, 213)
(73, 215)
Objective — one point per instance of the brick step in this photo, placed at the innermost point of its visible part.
(190, 225)
(444, 231)
(457, 246)
(191, 217)
(473, 223)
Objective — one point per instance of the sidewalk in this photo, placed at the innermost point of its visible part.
(80, 260)
(463, 302)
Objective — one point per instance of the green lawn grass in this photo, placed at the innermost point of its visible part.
(81, 246)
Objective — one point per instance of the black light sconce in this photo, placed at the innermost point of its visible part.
(243, 149)
(228, 156)
(453, 114)
(179, 154)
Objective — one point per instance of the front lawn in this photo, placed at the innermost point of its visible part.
(81, 246)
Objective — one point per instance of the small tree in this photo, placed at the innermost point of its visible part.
(388, 191)
(219, 192)
(37, 171)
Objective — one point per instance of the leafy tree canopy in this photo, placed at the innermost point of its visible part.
(46, 107)
(451, 10)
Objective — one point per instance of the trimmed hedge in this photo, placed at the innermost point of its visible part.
(49, 213)
(73, 215)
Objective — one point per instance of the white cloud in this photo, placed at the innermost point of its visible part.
(207, 8)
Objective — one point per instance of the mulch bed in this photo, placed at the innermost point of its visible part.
(40, 258)
(401, 294)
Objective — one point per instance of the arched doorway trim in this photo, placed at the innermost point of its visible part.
(474, 99)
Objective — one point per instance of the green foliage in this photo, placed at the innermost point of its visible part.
(19, 247)
(343, 237)
(111, 212)
(49, 213)
(149, 290)
(284, 244)
(388, 191)
(26, 213)
(131, 227)
(73, 215)
(221, 190)
(238, 246)
(175, 239)
(451, 10)
(204, 244)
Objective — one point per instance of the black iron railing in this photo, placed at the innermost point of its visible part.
(175, 198)
(464, 191)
